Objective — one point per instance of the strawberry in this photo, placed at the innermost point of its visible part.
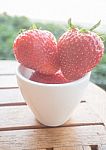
(79, 52)
(57, 78)
(37, 50)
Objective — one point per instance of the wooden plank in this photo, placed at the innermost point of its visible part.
(17, 117)
(96, 97)
(10, 95)
(7, 67)
(103, 138)
(8, 81)
(69, 148)
(52, 137)
(43, 149)
(90, 147)
(84, 114)
(87, 148)
(26, 119)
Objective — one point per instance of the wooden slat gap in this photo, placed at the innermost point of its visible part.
(13, 87)
(7, 74)
(83, 101)
(43, 127)
(94, 147)
(13, 104)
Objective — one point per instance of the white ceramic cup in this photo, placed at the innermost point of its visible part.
(52, 104)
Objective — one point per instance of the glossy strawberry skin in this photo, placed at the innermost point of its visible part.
(79, 52)
(37, 50)
(57, 78)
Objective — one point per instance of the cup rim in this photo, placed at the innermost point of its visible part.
(19, 74)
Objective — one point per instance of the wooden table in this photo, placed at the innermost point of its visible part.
(19, 130)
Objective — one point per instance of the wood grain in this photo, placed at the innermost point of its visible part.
(69, 148)
(20, 117)
(83, 113)
(87, 148)
(7, 67)
(52, 137)
(8, 81)
(10, 95)
(96, 97)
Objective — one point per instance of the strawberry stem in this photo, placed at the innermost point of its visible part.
(92, 28)
(33, 27)
(21, 31)
(83, 30)
(70, 25)
(95, 26)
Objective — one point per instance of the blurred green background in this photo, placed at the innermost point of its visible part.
(9, 29)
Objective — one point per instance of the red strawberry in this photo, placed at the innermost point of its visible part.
(57, 78)
(79, 52)
(37, 50)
